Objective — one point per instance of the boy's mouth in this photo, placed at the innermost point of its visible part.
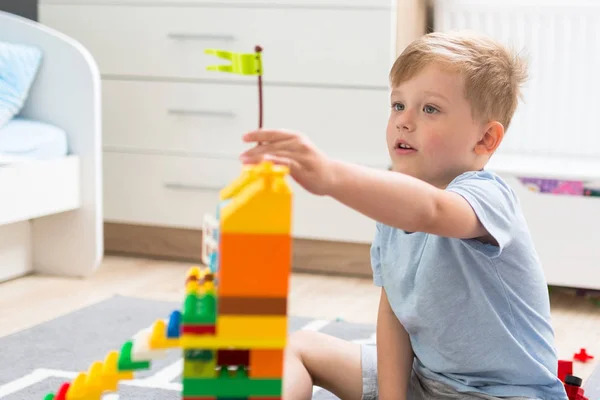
(401, 147)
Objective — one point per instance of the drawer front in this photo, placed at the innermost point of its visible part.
(302, 46)
(178, 191)
(158, 190)
(211, 118)
(242, 3)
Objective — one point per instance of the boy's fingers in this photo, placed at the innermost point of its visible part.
(287, 157)
(272, 147)
(251, 159)
(293, 165)
(269, 157)
(267, 135)
(278, 160)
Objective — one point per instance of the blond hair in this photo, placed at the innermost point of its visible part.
(492, 73)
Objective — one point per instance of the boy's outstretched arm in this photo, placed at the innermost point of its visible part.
(403, 201)
(394, 354)
(392, 198)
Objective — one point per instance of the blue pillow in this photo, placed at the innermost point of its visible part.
(19, 65)
(32, 139)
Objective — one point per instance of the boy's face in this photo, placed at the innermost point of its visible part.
(430, 114)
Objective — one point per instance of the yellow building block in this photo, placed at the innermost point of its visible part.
(94, 384)
(78, 389)
(252, 327)
(191, 287)
(261, 204)
(87, 386)
(159, 339)
(248, 175)
(101, 377)
(188, 341)
(110, 373)
(193, 273)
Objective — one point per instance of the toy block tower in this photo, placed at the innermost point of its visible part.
(234, 325)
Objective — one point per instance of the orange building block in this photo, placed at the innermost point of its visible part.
(266, 363)
(254, 265)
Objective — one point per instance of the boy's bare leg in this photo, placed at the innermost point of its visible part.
(314, 358)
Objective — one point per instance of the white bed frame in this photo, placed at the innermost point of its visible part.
(51, 211)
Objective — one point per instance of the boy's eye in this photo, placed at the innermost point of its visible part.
(430, 109)
(398, 106)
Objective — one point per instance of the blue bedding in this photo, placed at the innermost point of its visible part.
(25, 138)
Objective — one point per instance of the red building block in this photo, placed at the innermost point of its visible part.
(198, 329)
(565, 367)
(573, 388)
(233, 357)
(62, 392)
(582, 356)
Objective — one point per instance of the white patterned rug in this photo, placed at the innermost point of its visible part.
(36, 361)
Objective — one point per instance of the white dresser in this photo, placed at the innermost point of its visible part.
(172, 130)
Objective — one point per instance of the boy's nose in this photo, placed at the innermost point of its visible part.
(405, 123)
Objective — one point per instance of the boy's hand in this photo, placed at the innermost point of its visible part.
(312, 169)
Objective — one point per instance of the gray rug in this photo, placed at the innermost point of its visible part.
(38, 360)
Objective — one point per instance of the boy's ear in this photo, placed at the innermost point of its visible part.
(491, 139)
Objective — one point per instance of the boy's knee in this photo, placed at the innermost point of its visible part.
(299, 341)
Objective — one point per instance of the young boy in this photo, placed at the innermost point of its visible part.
(464, 310)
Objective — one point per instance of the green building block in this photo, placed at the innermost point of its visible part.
(126, 363)
(200, 310)
(49, 396)
(238, 386)
(200, 355)
(200, 368)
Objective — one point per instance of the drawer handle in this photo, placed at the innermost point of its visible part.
(201, 36)
(201, 113)
(186, 186)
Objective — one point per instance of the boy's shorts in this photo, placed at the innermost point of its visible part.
(420, 388)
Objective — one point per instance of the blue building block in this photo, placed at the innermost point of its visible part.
(174, 327)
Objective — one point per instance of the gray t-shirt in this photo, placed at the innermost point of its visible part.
(478, 315)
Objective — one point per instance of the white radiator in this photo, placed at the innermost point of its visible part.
(555, 131)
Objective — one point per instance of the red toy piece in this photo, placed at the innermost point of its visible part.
(233, 357)
(565, 367)
(62, 392)
(573, 388)
(582, 356)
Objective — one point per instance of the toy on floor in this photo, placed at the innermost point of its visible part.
(565, 367)
(572, 383)
(232, 326)
(582, 356)
(573, 388)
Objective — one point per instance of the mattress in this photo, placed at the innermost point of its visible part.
(26, 139)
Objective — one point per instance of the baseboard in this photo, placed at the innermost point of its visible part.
(315, 256)
(333, 258)
(153, 241)
(15, 250)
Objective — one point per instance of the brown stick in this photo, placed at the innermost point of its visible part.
(258, 49)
